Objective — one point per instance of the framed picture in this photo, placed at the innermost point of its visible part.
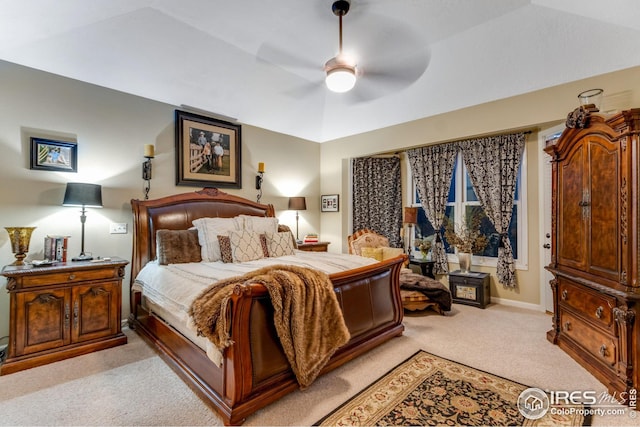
(49, 155)
(329, 203)
(207, 151)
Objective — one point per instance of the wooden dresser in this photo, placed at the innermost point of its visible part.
(595, 243)
(63, 310)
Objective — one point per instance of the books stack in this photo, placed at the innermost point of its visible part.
(311, 238)
(55, 248)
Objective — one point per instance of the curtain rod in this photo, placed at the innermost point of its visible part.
(397, 153)
(524, 132)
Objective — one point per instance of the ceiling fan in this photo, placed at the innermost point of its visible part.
(341, 71)
(390, 56)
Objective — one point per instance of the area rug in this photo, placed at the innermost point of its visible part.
(427, 390)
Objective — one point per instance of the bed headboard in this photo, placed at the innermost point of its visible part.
(176, 212)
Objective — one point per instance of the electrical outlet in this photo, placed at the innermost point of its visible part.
(118, 228)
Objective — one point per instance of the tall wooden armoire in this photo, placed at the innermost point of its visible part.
(595, 245)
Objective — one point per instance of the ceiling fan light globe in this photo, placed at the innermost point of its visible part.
(341, 79)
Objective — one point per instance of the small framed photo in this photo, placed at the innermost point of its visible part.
(52, 155)
(207, 151)
(329, 203)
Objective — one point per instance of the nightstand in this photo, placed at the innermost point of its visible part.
(471, 288)
(426, 267)
(314, 247)
(62, 310)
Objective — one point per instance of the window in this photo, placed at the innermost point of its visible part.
(462, 199)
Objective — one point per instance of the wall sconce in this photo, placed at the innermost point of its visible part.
(259, 178)
(149, 152)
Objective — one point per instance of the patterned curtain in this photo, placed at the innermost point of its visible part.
(493, 164)
(377, 196)
(432, 169)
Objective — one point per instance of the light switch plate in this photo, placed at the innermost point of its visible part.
(118, 228)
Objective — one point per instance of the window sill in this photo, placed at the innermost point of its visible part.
(482, 261)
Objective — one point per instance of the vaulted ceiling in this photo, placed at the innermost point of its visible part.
(261, 61)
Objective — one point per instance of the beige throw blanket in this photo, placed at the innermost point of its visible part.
(307, 315)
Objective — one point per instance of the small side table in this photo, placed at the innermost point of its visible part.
(426, 267)
(314, 247)
(471, 288)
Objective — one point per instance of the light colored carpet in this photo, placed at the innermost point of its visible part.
(130, 385)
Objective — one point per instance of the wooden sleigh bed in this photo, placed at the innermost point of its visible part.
(254, 371)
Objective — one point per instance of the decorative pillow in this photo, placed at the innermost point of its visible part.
(208, 231)
(245, 246)
(282, 227)
(225, 249)
(280, 244)
(260, 224)
(388, 252)
(368, 240)
(177, 246)
(375, 253)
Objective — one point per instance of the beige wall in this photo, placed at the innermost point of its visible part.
(111, 129)
(533, 111)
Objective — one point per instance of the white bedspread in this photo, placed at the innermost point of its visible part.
(174, 287)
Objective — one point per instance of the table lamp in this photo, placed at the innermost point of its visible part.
(410, 218)
(297, 204)
(86, 196)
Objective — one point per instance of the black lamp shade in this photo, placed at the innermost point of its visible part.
(79, 194)
(297, 204)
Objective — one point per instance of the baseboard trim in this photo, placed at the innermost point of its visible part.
(519, 304)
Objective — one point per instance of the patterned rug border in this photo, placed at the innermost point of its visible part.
(370, 386)
(587, 419)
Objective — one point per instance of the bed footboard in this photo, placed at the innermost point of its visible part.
(255, 371)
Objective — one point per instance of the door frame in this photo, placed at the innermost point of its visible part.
(544, 207)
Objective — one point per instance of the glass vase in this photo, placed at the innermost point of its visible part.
(464, 259)
(20, 238)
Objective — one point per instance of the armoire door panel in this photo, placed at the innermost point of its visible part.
(604, 226)
(571, 224)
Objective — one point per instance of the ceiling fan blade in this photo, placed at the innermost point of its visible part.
(389, 59)
(280, 57)
(296, 76)
(305, 89)
(399, 70)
